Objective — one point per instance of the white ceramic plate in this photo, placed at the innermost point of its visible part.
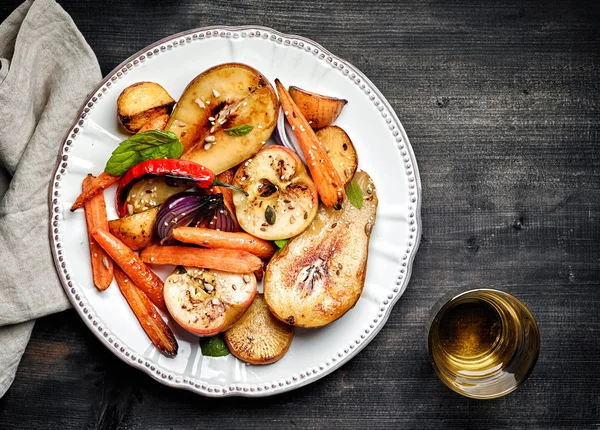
(384, 152)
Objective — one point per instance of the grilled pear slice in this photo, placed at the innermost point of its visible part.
(320, 274)
(319, 110)
(282, 199)
(206, 302)
(210, 113)
(340, 149)
(258, 337)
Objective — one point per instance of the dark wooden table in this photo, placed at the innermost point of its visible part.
(501, 103)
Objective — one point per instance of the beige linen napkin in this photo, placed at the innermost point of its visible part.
(47, 69)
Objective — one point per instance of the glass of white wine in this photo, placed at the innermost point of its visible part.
(483, 343)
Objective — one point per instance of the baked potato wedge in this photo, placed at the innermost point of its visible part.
(340, 150)
(319, 110)
(258, 337)
(141, 102)
(320, 274)
(135, 231)
(224, 116)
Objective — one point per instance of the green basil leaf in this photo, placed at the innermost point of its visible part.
(148, 145)
(213, 346)
(281, 243)
(354, 194)
(239, 130)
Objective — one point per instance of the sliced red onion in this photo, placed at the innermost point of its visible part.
(216, 216)
(285, 136)
(180, 210)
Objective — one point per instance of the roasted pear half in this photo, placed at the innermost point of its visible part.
(206, 302)
(258, 337)
(224, 116)
(320, 274)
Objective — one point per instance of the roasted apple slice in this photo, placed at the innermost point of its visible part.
(258, 337)
(140, 103)
(282, 198)
(340, 150)
(320, 274)
(224, 116)
(206, 302)
(135, 231)
(318, 109)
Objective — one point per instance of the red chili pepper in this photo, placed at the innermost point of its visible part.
(167, 167)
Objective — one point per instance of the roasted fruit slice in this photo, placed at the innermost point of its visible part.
(258, 337)
(151, 192)
(282, 198)
(135, 231)
(206, 302)
(320, 274)
(318, 109)
(340, 150)
(213, 109)
(141, 102)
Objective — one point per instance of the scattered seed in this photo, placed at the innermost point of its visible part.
(216, 93)
(200, 103)
(207, 146)
(209, 139)
(270, 215)
(211, 118)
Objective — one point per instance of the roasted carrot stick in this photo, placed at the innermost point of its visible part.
(210, 238)
(227, 178)
(104, 180)
(126, 259)
(152, 323)
(99, 184)
(157, 123)
(95, 217)
(328, 182)
(227, 260)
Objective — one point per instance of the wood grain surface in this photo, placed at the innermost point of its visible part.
(500, 100)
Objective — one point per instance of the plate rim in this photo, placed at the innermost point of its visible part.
(192, 384)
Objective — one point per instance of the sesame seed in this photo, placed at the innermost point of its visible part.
(200, 103)
(293, 127)
(207, 102)
(211, 118)
(260, 126)
(286, 113)
(209, 139)
(216, 93)
(207, 146)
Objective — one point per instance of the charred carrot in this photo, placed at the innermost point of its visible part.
(227, 260)
(126, 259)
(328, 182)
(95, 217)
(157, 123)
(210, 238)
(99, 184)
(152, 323)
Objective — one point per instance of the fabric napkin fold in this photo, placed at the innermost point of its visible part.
(46, 70)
